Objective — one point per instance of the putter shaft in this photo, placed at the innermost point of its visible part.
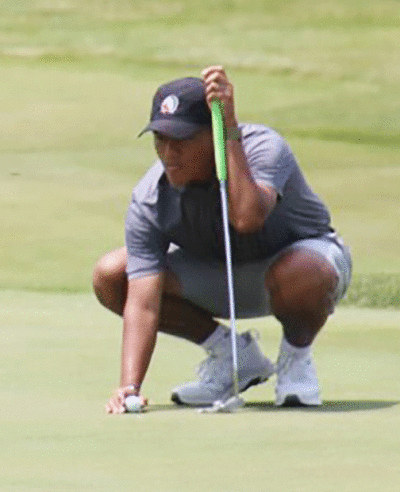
(231, 293)
(222, 174)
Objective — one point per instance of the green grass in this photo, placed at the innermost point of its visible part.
(76, 80)
(374, 291)
(60, 364)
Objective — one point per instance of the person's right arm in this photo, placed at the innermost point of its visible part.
(140, 325)
(249, 202)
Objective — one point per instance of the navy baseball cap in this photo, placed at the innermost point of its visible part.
(179, 109)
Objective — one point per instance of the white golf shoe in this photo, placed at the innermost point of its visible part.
(216, 375)
(297, 382)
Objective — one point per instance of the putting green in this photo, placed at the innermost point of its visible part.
(61, 361)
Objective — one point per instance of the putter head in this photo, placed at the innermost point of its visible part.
(228, 406)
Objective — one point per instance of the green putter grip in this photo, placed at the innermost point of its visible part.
(217, 118)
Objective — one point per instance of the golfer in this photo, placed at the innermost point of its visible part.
(287, 259)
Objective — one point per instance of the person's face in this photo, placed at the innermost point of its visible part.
(186, 161)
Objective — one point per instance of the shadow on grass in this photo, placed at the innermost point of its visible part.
(328, 406)
(167, 407)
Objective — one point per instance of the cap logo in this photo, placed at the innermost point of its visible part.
(169, 105)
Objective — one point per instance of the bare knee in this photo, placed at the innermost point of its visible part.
(110, 266)
(109, 280)
(302, 281)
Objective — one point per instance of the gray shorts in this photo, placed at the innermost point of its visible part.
(204, 283)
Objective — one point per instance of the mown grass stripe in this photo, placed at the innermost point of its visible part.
(374, 291)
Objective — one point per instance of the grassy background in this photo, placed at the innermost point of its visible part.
(76, 80)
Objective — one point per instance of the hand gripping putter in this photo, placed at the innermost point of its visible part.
(234, 402)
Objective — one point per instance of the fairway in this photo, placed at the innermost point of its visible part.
(60, 363)
(76, 82)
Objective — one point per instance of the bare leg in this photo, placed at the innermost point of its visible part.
(109, 280)
(301, 284)
(178, 317)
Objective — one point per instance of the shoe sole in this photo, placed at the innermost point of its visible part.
(293, 401)
(253, 382)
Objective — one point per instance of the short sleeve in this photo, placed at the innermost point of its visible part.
(269, 156)
(146, 244)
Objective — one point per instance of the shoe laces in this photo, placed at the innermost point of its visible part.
(216, 367)
(287, 361)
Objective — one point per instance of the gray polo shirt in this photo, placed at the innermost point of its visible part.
(160, 214)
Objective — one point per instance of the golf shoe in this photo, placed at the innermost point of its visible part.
(216, 373)
(297, 382)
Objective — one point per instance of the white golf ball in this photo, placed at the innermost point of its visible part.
(133, 404)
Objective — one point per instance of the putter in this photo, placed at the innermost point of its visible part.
(234, 402)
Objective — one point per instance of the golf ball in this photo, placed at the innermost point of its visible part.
(133, 404)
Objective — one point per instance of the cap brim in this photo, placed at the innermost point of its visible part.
(176, 129)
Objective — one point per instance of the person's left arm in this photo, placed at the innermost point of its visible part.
(249, 203)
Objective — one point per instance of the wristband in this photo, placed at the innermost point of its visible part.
(134, 387)
(233, 133)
